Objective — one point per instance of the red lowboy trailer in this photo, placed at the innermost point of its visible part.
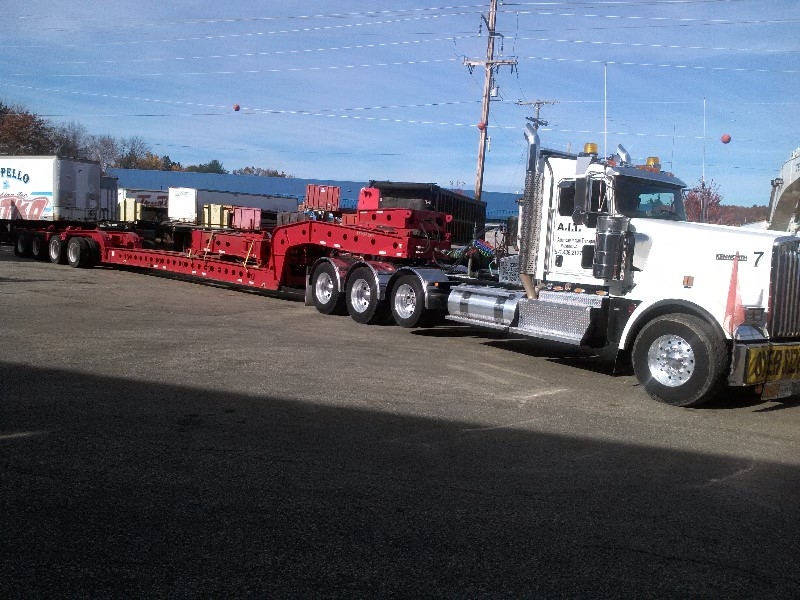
(350, 261)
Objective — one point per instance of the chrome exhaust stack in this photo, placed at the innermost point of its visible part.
(530, 214)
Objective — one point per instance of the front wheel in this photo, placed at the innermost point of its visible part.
(363, 303)
(680, 360)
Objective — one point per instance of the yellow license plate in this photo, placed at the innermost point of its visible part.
(772, 363)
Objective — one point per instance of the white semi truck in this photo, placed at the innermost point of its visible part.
(606, 259)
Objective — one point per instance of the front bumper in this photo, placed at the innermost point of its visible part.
(774, 367)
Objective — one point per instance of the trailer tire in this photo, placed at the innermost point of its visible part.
(407, 300)
(325, 290)
(57, 250)
(22, 245)
(38, 246)
(362, 297)
(94, 252)
(681, 360)
(78, 253)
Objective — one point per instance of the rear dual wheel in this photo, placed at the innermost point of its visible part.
(57, 250)
(22, 245)
(79, 253)
(407, 301)
(325, 290)
(363, 301)
(38, 247)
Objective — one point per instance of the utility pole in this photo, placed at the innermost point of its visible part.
(537, 107)
(490, 65)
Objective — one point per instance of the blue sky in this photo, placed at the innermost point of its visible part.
(363, 90)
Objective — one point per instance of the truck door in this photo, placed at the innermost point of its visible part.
(571, 244)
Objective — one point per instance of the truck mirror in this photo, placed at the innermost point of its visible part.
(581, 201)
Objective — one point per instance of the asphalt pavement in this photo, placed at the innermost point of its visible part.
(162, 438)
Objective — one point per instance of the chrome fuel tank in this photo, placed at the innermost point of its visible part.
(483, 305)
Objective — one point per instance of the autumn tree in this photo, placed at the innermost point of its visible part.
(104, 149)
(718, 213)
(213, 166)
(132, 152)
(22, 132)
(258, 171)
(70, 140)
(168, 164)
(703, 195)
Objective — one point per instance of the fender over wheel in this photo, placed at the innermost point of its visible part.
(681, 360)
(362, 299)
(325, 290)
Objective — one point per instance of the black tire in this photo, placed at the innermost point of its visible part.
(38, 246)
(362, 299)
(681, 360)
(407, 301)
(57, 250)
(78, 253)
(22, 245)
(94, 252)
(325, 290)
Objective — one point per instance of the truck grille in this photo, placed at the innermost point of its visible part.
(784, 320)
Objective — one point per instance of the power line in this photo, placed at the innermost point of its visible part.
(659, 46)
(419, 42)
(681, 21)
(413, 63)
(661, 65)
(270, 53)
(132, 22)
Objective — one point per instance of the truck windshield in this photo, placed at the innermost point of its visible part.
(648, 199)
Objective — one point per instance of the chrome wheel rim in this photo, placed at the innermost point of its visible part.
(73, 251)
(323, 289)
(360, 295)
(671, 360)
(405, 301)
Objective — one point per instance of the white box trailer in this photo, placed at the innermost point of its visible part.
(48, 188)
(186, 204)
(150, 198)
(142, 205)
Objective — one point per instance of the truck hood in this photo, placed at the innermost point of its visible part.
(702, 258)
(698, 240)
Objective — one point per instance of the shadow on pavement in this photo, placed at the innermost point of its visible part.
(124, 488)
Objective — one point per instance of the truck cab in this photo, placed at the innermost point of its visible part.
(578, 199)
(607, 260)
